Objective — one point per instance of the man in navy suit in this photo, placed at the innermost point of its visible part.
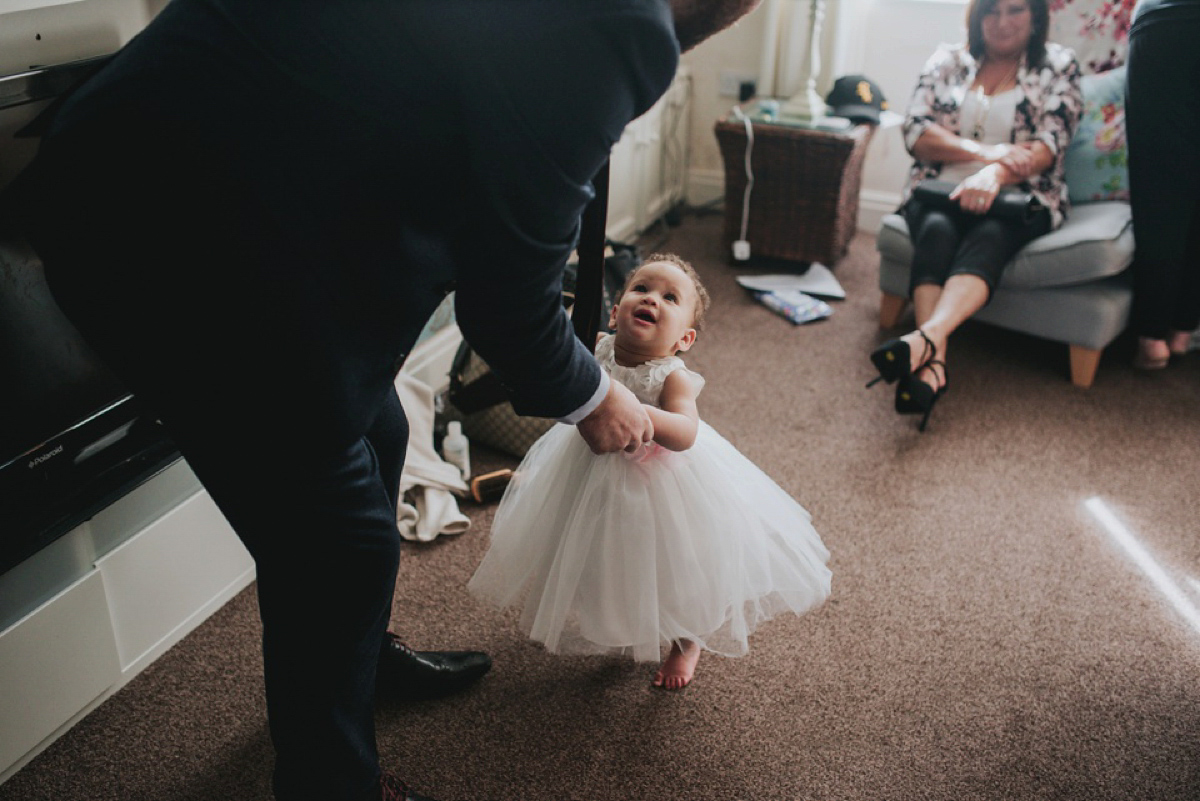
(250, 213)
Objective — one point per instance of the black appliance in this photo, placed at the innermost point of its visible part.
(72, 438)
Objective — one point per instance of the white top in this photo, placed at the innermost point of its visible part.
(645, 380)
(988, 119)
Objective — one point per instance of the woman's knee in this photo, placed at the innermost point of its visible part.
(935, 239)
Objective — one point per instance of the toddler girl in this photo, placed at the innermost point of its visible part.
(683, 542)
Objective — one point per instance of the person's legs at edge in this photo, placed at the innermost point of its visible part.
(1186, 316)
(1161, 128)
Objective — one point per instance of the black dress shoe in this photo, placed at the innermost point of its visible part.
(408, 675)
(392, 789)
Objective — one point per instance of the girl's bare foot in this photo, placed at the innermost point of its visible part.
(679, 666)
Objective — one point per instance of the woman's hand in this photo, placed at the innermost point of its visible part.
(977, 192)
(1021, 161)
(1018, 159)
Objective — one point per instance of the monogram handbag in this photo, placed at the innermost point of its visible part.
(1010, 204)
(475, 396)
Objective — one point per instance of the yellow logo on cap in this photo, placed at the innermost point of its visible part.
(863, 90)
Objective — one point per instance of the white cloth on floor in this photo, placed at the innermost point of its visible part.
(428, 507)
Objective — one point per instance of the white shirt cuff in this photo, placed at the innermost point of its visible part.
(587, 408)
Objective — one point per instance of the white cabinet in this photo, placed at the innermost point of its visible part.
(86, 614)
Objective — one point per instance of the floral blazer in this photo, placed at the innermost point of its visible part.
(1048, 112)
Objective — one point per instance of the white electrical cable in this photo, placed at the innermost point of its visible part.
(737, 112)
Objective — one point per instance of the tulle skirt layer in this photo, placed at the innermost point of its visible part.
(626, 554)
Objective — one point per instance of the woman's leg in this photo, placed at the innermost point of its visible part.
(985, 250)
(925, 299)
(936, 236)
(962, 296)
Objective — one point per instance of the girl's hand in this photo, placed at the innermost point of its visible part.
(977, 192)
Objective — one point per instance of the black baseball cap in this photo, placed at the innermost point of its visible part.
(856, 97)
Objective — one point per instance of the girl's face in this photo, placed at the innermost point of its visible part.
(654, 316)
(1007, 28)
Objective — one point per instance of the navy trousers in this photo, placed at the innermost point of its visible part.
(317, 514)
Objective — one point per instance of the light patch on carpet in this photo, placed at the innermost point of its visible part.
(1145, 561)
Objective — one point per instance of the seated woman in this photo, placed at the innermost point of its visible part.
(997, 112)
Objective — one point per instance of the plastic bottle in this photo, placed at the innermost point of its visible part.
(456, 449)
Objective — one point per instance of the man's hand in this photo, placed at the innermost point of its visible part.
(618, 423)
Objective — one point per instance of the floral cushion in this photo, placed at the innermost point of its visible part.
(1096, 162)
(1097, 30)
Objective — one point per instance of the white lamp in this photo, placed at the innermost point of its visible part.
(806, 104)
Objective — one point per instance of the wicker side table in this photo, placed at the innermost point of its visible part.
(804, 203)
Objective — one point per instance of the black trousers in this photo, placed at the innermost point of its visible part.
(1162, 121)
(158, 290)
(947, 243)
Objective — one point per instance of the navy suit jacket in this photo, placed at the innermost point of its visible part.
(281, 192)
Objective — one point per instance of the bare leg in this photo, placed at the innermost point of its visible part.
(925, 298)
(679, 666)
(1179, 342)
(962, 296)
(1152, 354)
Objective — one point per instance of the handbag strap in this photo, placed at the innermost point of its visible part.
(589, 283)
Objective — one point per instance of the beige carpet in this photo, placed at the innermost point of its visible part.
(986, 638)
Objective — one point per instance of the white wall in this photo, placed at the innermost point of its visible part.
(898, 36)
(737, 49)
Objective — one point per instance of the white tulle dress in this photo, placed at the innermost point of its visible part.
(627, 553)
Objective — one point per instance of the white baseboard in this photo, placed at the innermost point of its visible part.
(704, 187)
(873, 206)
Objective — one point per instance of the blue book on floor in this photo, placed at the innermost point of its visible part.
(795, 305)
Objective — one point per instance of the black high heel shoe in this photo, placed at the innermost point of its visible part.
(893, 359)
(914, 396)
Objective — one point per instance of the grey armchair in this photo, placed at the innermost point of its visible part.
(1069, 286)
